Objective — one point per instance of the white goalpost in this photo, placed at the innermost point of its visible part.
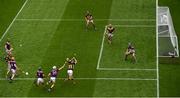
(167, 38)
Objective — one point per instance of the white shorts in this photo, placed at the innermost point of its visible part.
(70, 72)
(53, 79)
(110, 35)
(40, 80)
(89, 21)
(13, 71)
(8, 51)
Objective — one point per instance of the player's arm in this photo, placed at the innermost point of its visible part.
(5, 46)
(62, 66)
(107, 29)
(75, 60)
(49, 74)
(85, 18)
(126, 51)
(36, 74)
(43, 75)
(17, 67)
(114, 29)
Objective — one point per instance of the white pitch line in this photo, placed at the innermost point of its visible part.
(101, 50)
(127, 69)
(169, 56)
(133, 79)
(13, 21)
(135, 26)
(84, 20)
(157, 52)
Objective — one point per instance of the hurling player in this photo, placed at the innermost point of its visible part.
(53, 75)
(89, 20)
(40, 77)
(70, 67)
(130, 51)
(12, 69)
(110, 31)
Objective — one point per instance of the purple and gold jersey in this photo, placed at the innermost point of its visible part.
(54, 73)
(40, 74)
(13, 64)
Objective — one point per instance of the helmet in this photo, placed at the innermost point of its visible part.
(39, 68)
(67, 59)
(12, 58)
(129, 43)
(54, 67)
(110, 25)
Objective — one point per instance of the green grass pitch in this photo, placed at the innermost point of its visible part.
(51, 30)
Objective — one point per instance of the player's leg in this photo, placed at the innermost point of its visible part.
(50, 81)
(38, 82)
(7, 73)
(92, 22)
(13, 73)
(53, 81)
(134, 57)
(42, 81)
(126, 54)
(87, 24)
(109, 38)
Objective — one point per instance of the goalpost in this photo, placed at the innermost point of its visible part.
(167, 38)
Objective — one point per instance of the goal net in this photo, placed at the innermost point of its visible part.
(167, 38)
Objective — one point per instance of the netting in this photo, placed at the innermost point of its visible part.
(167, 38)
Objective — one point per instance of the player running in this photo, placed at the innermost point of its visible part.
(40, 77)
(70, 67)
(13, 68)
(110, 31)
(130, 51)
(8, 48)
(53, 75)
(89, 20)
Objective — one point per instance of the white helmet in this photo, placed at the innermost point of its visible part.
(54, 67)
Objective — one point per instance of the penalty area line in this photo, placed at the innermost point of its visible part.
(101, 49)
(127, 69)
(136, 26)
(46, 20)
(131, 79)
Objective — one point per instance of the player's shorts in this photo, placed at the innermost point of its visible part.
(90, 21)
(40, 80)
(13, 71)
(70, 72)
(8, 51)
(53, 79)
(110, 35)
(130, 52)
